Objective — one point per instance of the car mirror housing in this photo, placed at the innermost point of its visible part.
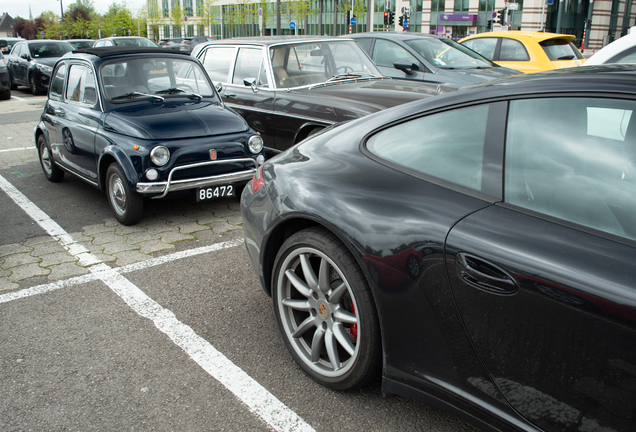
(406, 67)
(249, 82)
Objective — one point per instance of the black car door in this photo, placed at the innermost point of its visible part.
(78, 119)
(22, 62)
(544, 281)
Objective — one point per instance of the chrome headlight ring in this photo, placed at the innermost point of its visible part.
(255, 144)
(160, 155)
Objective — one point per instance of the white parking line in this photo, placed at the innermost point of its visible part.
(52, 286)
(17, 149)
(260, 401)
(18, 98)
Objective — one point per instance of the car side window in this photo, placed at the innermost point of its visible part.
(574, 159)
(248, 65)
(447, 145)
(81, 85)
(217, 63)
(513, 50)
(385, 53)
(57, 83)
(627, 56)
(365, 44)
(485, 46)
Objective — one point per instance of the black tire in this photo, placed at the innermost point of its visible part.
(328, 319)
(127, 205)
(12, 85)
(51, 171)
(32, 86)
(5, 94)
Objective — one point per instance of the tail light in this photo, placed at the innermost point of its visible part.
(258, 181)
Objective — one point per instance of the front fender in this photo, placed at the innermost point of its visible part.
(115, 154)
(41, 129)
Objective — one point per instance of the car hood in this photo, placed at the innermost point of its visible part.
(172, 120)
(371, 96)
(474, 76)
(46, 61)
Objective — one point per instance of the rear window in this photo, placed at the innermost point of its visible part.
(560, 49)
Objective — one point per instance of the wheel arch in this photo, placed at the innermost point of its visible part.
(291, 225)
(305, 130)
(115, 154)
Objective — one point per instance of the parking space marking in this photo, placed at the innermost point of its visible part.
(52, 286)
(17, 149)
(18, 98)
(258, 399)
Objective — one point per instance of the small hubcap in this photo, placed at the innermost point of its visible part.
(117, 194)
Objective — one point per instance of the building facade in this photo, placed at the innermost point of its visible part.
(448, 18)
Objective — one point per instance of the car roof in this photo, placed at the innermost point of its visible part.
(613, 49)
(45, 40)
(393, 35)
(273, 40)
(516, 34)
(102, 52)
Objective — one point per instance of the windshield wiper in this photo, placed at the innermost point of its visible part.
(349, 76)
(133, 94)
(175, 90)
(567, 57)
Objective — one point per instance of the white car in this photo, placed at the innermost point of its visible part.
(622, 50)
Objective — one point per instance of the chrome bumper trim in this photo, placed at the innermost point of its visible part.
(177, 185)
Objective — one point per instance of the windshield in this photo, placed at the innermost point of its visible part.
(155, 78)
(448, 54)
(310, 63)
(82, 44)
(50, 49)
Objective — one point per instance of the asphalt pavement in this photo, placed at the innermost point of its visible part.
(159, 326)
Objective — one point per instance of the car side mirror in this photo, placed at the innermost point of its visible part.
(250, 82)
(218, 87)
(24, 56)
(406, 67)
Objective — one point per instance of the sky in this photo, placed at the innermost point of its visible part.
(20, 8)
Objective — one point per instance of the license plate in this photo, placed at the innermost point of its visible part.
(215, 192)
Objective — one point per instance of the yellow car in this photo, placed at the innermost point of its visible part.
(526, 51)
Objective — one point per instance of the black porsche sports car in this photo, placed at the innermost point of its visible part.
(476, 250)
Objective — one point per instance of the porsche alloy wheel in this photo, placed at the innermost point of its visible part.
(325, 310)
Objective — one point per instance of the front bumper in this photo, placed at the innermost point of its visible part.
(164, 187)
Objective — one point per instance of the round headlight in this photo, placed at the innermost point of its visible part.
(255, 144)
(160, 155)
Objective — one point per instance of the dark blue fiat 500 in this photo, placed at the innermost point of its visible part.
(143, 123)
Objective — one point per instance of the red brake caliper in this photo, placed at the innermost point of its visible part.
(354, 327)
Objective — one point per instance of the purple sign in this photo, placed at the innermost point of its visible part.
(458, 17)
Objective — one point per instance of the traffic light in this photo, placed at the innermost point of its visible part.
(386, 17)
(401, 21)
(489, 25)
(391, 18)
(501, 17)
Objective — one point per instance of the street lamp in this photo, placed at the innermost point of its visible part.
(62, 12)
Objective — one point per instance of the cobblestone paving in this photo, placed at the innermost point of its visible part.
(41, 259)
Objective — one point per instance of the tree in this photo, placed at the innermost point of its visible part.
(207, 17)
(117, 21)
(153, 16)
(359, 9)
(49, 24)
(176, 16)
(301, 10)
(78, 20)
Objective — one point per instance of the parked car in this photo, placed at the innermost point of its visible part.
(134, 41)
(288, 88)
(81, 43)
(422, 57)
(31, 61)
(527, 51)
(5, 81)
(519, 197)
(10, 41)
(622, 50)
(188, 44)
(172, 43)
(143, 123)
